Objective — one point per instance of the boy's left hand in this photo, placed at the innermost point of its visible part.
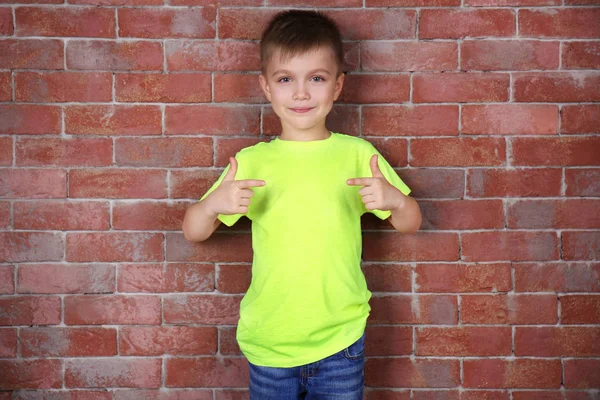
(377, 192)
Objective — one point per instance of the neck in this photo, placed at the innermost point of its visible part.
(316, 133)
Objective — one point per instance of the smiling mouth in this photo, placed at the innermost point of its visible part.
(301, 110)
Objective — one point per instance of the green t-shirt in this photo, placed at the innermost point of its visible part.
(308, 298)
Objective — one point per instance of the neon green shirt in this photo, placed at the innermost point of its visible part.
(308, 298)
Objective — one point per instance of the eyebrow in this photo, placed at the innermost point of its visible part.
(310, 72)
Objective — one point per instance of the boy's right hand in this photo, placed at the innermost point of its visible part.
(231, 196)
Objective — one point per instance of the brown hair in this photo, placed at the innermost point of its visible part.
(295, 32)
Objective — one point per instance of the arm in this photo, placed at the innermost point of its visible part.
(406, 218)
(199, 222)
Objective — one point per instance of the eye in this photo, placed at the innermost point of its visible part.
(320, 78)
(282, 79)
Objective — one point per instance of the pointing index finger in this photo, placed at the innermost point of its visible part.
(248, 183)
(359, 181)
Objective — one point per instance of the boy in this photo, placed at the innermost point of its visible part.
(302, 320)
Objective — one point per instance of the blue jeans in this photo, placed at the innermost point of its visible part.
(339, 376)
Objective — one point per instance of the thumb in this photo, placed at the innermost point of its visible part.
(375, 167)
(230, 176)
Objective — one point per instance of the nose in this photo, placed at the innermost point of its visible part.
(300, 92)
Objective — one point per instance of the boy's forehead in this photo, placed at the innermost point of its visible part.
(321, 57)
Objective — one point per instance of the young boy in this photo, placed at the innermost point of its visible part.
(302, 320)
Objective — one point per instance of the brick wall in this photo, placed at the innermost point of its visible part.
(116, 114)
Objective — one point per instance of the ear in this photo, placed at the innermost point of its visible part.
(265, 86)
(339, 83)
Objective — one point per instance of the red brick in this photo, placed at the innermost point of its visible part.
(197, 23)
(388, 278)
(238, 88)
(519, 309)
(456, 24)
(518, 373)
(114, 246)
(212, 120)
(175, 277)
(8, 342)
(206, 372)
(31, 53)
(380, 88)
(63, 86)
(223, 3)
(451, 278)
(24, 119)
(414, 309)
(412, 3)
(31, 246)
(6, 21)
(580, 118)
(460, 87)
(65, 21)
(164, 152)
(149, 215)
(510, 245)
(208, 55)
(113, 372)
(163, 88)
(68, 342)
(581, 245)
(517, 182)
(41, 183)
(582, 374)
(243, 23)
(582, 182)
(553, 341)
(167, 340)
(415, 373)
(70, 152)
(117, 119)
(546, 214)
(202, 309)
(511, 3)
(557, 277)
(112, 309)
(342, 118)
(509, 119)
(5, 86)
(228, 147)
(462, 214)
(120, 2)
(498, 55)
(556, 87)
(410, 120)
(233, 278)
(579, 309)
(389, 340)
(409, 56)
(435, 183)
(5, 216)
(559, 23)
(581, 55)
(31, 374)
(315, 3)
(219, 247)
(562, 151)
(62, 278)
(61, 215)
(424, 246)
(538, 395)
(110, 56)
(117, 183)
(463, 341)
(458, 152)
(394, 150)
(29, 310)
(7, 279)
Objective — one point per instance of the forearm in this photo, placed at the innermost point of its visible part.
(199, 222)
(406, 217)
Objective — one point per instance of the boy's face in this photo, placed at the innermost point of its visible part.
(303, 88)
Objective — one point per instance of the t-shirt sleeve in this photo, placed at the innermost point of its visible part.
(389, 174)
(227, 219)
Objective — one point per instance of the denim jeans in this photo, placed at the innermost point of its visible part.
(339, 376)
